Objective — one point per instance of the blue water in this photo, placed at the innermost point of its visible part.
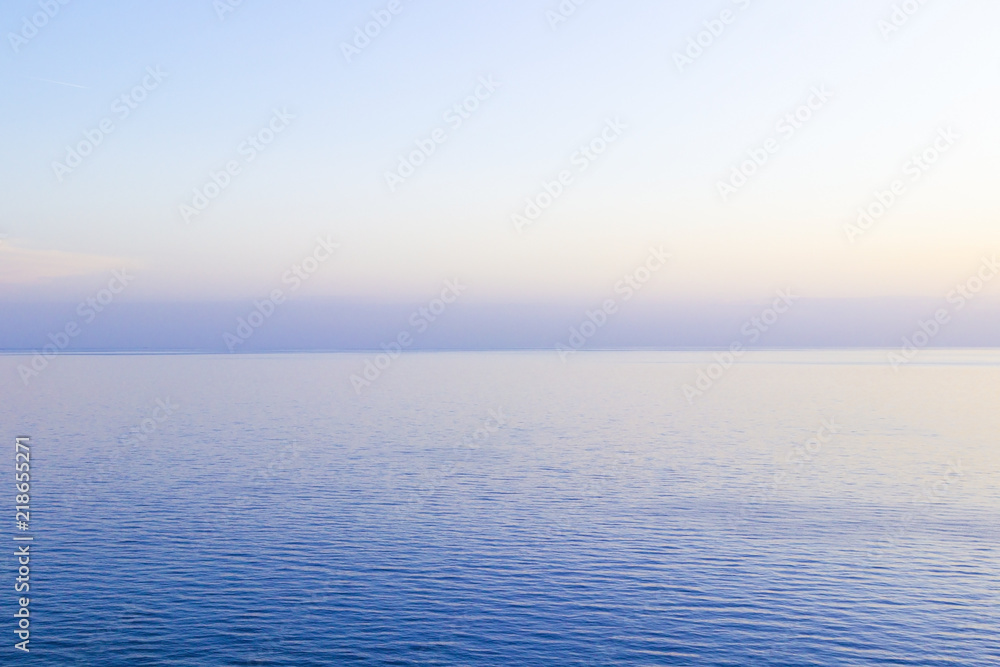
(509, 509)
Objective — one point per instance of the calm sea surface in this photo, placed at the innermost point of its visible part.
(808, 508)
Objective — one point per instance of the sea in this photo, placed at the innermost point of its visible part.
(506, 508)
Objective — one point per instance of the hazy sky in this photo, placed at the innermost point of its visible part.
(678, 129)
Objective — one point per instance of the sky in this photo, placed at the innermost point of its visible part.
(310, 118)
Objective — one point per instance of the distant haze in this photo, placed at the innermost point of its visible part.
(207, 154)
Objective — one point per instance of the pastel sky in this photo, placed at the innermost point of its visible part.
(681, 130)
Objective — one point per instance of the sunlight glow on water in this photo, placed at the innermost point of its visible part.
(507, 508)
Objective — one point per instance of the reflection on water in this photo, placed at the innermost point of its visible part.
(508, 508)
